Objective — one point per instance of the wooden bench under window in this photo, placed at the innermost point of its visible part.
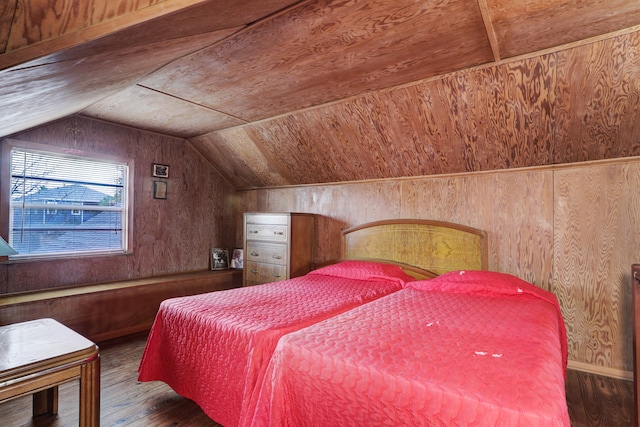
(110, 310)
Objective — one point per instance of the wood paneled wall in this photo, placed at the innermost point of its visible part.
(169, 236)
(572, 230)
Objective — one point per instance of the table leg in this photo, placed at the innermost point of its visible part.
(45, 402)
(90, 393)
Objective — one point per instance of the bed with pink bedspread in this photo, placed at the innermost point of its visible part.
(214, 348)
(468, 348)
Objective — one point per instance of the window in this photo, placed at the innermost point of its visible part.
(63, 204)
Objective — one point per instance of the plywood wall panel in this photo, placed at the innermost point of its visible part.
(245, 163)
(344, 205)
(302, 141)
(417, 198)
(520, 233)
(139, 107)
(598, 100)
(375, 200)
(522, 204)
(596, 225)
(530, 25)
(512, 111)
(322, 138)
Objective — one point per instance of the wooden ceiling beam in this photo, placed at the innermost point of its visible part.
(491, 31)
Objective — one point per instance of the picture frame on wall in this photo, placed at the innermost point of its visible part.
(219, 259)
(160, 190)
(160, 171)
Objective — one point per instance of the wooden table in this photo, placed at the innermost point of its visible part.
(39, 355)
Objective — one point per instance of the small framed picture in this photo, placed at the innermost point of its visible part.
(237, 260)
(160, 171)
(219, 259)
(160, 190)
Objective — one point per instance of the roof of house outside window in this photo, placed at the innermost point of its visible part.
(68, 194)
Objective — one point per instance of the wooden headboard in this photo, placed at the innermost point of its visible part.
(435, 246)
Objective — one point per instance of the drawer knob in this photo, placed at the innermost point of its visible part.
(254, 253)
(254, 271)
(275, 275)
(277, 257)
(279, 233)
(253, 231)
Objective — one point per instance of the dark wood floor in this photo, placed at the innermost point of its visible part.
(592, 400)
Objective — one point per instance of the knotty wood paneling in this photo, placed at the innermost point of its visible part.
(169, 236)
(531, 25)
(567, 229)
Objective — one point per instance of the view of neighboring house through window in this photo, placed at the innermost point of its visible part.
(65, 204)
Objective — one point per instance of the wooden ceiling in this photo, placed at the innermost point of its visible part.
(285, 92)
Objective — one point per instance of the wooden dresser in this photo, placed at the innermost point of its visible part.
(277, 246)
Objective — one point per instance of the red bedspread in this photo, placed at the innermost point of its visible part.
(214, 348)
(455, 351)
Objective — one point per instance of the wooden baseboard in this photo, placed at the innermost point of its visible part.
(600, 370)
(111, 310)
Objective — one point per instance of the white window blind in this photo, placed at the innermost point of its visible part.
(64, 204)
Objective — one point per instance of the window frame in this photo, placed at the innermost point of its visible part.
(5, 197)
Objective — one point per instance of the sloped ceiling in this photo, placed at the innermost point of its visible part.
(284, 92)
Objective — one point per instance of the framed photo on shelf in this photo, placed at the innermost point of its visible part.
(160, 171)
(219, 259)
(237, 258)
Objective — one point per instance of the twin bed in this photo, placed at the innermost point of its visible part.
(408, 330)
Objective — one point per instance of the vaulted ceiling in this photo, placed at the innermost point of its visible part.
(285, 92)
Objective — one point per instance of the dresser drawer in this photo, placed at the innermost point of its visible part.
(258, 272)
(267, 232)
(267, 252)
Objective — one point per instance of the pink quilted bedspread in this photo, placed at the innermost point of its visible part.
(453, 354)
(214, 348)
